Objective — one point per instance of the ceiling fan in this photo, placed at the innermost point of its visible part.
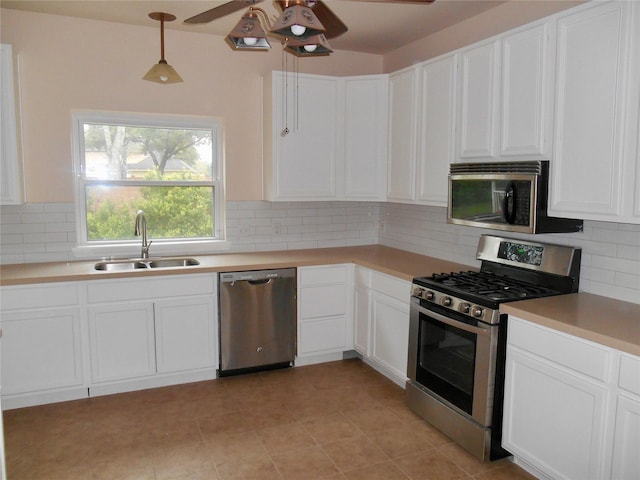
(333, 25)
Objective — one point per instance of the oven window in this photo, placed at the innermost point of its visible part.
(446, 361)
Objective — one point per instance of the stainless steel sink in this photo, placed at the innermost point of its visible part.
(135, 264)
(173, 262)
(120, 265)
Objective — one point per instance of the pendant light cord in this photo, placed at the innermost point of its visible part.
(285, 92)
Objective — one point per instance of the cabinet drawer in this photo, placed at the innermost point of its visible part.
(323, 301)
(629, 378)
(322, 275)
(322, 335)
(573, 353)
(38, 296)
(391, 286)
(149, 288)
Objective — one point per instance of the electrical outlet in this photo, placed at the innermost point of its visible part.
(244, 230)
(277, 229)
(380, 226)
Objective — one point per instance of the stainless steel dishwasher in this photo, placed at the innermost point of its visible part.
(257, 320)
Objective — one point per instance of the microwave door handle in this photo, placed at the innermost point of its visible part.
(509, 203)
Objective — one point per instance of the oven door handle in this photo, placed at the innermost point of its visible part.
(456, 324)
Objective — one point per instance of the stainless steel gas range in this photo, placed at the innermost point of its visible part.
(457, 336)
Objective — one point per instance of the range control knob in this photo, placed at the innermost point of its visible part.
(417, 292)
(428, 295)
(465, 307)
(446, 301)
(477, 311)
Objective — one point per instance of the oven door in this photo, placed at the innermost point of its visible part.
(454, 359)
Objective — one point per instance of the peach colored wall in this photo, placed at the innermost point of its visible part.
(69, 63)
(499, 19)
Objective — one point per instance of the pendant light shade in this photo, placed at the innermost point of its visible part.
(162, 72)
(248, 34)
(298, 21)
(314, 46)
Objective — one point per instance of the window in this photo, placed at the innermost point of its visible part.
(168, 166)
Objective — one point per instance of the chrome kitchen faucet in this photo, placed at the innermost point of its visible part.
(141, 229)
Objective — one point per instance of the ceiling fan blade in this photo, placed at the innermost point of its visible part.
(334, 26)
(221, 11)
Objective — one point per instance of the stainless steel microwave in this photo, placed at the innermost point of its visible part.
(510, 196)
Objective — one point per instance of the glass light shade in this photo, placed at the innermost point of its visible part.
(248, 34)
(298, 21)
(311, 47)
(162, 72)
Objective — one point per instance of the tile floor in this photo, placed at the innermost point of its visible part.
(334, 421)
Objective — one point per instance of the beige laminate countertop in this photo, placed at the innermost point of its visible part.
(388, 260)
(603, 320)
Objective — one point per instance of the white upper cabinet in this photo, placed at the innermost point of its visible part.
(11, 192)
(595, 165)
(325, 137)
(403, 125)
(436, 148)
(526, 109)
(365, 136)
(478, 107)
(505, 92)
(304, 136)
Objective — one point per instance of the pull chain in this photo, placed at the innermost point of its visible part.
(285, 94)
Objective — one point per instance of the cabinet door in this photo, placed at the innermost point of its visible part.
(41, 350)
(362, 320)
(11, 178)
(553, 419)
(478, 106)
(403, 116)
(305, 157)
(437, 128)
(390, 335)
(591, 96)
(185, 334)
(122, 341)
(626, 441)
(526, 107)
(365, 137)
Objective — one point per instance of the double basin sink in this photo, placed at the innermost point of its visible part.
(142, 264)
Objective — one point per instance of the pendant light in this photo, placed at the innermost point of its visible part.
(314, 46)
(162, 72)
(248, 33)
(298, 21)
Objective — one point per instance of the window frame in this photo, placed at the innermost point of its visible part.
(116, 248)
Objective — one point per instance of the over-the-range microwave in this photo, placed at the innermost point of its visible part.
(510, 196)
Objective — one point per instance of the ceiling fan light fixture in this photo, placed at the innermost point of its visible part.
(314, 46)
(162, 72)
(298, 21)
(248, 34)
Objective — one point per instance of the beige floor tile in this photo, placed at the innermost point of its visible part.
(249, 469)
(309, 463)
(330, 428)
(429, 466)
(354, 452)
(181, 460)
(380, 471)
(285, 437)
(509, 471)
(468, 462)
(233, 447)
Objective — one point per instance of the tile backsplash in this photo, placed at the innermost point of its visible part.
(610, 251)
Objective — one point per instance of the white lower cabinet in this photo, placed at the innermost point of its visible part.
(381, 319)
(122, 341)
(565, 416)
(63, 341)
(42, 348)
(325, 322)
(151, 332)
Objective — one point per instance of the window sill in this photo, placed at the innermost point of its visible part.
(161, 248)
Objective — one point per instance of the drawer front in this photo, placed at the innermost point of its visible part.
(322, 275)
(323, 301)
(629, 377)
(39, 296)
(148, 288)
(322, 336)
(391, 286)
(579, 355)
